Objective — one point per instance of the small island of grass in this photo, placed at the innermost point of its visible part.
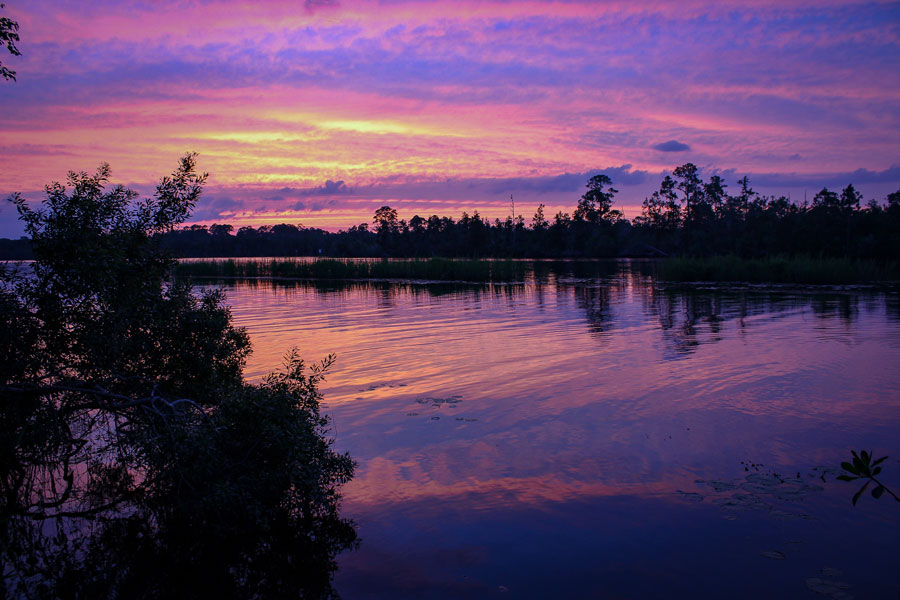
(430, 269)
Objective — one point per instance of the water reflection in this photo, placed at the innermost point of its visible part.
(583, 400)
(596, 284)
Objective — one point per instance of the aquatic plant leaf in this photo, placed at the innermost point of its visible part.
(826, 587)
(876, 471)
(880, 460)
(860, 492)
(877, 492)
(848, 467)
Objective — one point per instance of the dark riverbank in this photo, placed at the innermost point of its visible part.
(802, 270)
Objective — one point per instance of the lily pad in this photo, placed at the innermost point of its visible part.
(783, 515)
(752, 502)
(756, 488)
(828, 587)
(721, 486)
(729, 503)
(794, 481)
(717, 485)
(692, 496)
(763, 479)
(438, 401)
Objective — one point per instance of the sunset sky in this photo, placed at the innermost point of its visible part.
(320, 112)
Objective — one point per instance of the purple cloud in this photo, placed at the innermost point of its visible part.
(671, 146)
(462, 103)
(330, 188)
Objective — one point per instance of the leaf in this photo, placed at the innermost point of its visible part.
(876, 471)
(860, 492)
(847, 478)
(882, 459)
(865, 456)
(848, 467)
(877, 492)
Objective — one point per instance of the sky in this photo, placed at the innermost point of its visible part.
(320, 112)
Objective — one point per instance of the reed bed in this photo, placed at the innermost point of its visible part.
(432, 269)
(803, 270)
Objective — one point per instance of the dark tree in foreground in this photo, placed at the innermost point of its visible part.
(135, 461)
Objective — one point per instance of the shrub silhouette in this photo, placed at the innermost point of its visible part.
(135, 461)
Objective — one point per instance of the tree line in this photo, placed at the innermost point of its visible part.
(686, 216)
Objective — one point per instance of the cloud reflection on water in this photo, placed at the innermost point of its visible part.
(592, 385)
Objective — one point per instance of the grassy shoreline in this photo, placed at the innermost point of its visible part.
(433, 269)
(804, 270)
(777, 270)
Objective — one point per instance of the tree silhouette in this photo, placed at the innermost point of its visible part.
(385, 220)
(686, 216)
(538, 221)
(135, 461)
(596, 203)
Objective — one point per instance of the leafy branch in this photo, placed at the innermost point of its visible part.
(863, 467)
(9, 35)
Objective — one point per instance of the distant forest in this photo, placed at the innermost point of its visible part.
(686, 216)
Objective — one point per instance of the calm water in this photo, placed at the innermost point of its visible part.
(594, 434)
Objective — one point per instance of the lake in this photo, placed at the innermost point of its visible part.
(593, 433)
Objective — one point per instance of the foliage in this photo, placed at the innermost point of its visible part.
(863, 467)
(135, 461)
(9, 35)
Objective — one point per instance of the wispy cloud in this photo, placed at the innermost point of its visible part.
(417, 98)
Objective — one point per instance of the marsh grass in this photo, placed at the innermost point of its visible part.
(805, 270)
(799, 270)
(432, 269)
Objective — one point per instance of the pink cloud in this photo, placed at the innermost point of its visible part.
(273, 95)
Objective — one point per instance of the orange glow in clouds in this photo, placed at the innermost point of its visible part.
(388, 102)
